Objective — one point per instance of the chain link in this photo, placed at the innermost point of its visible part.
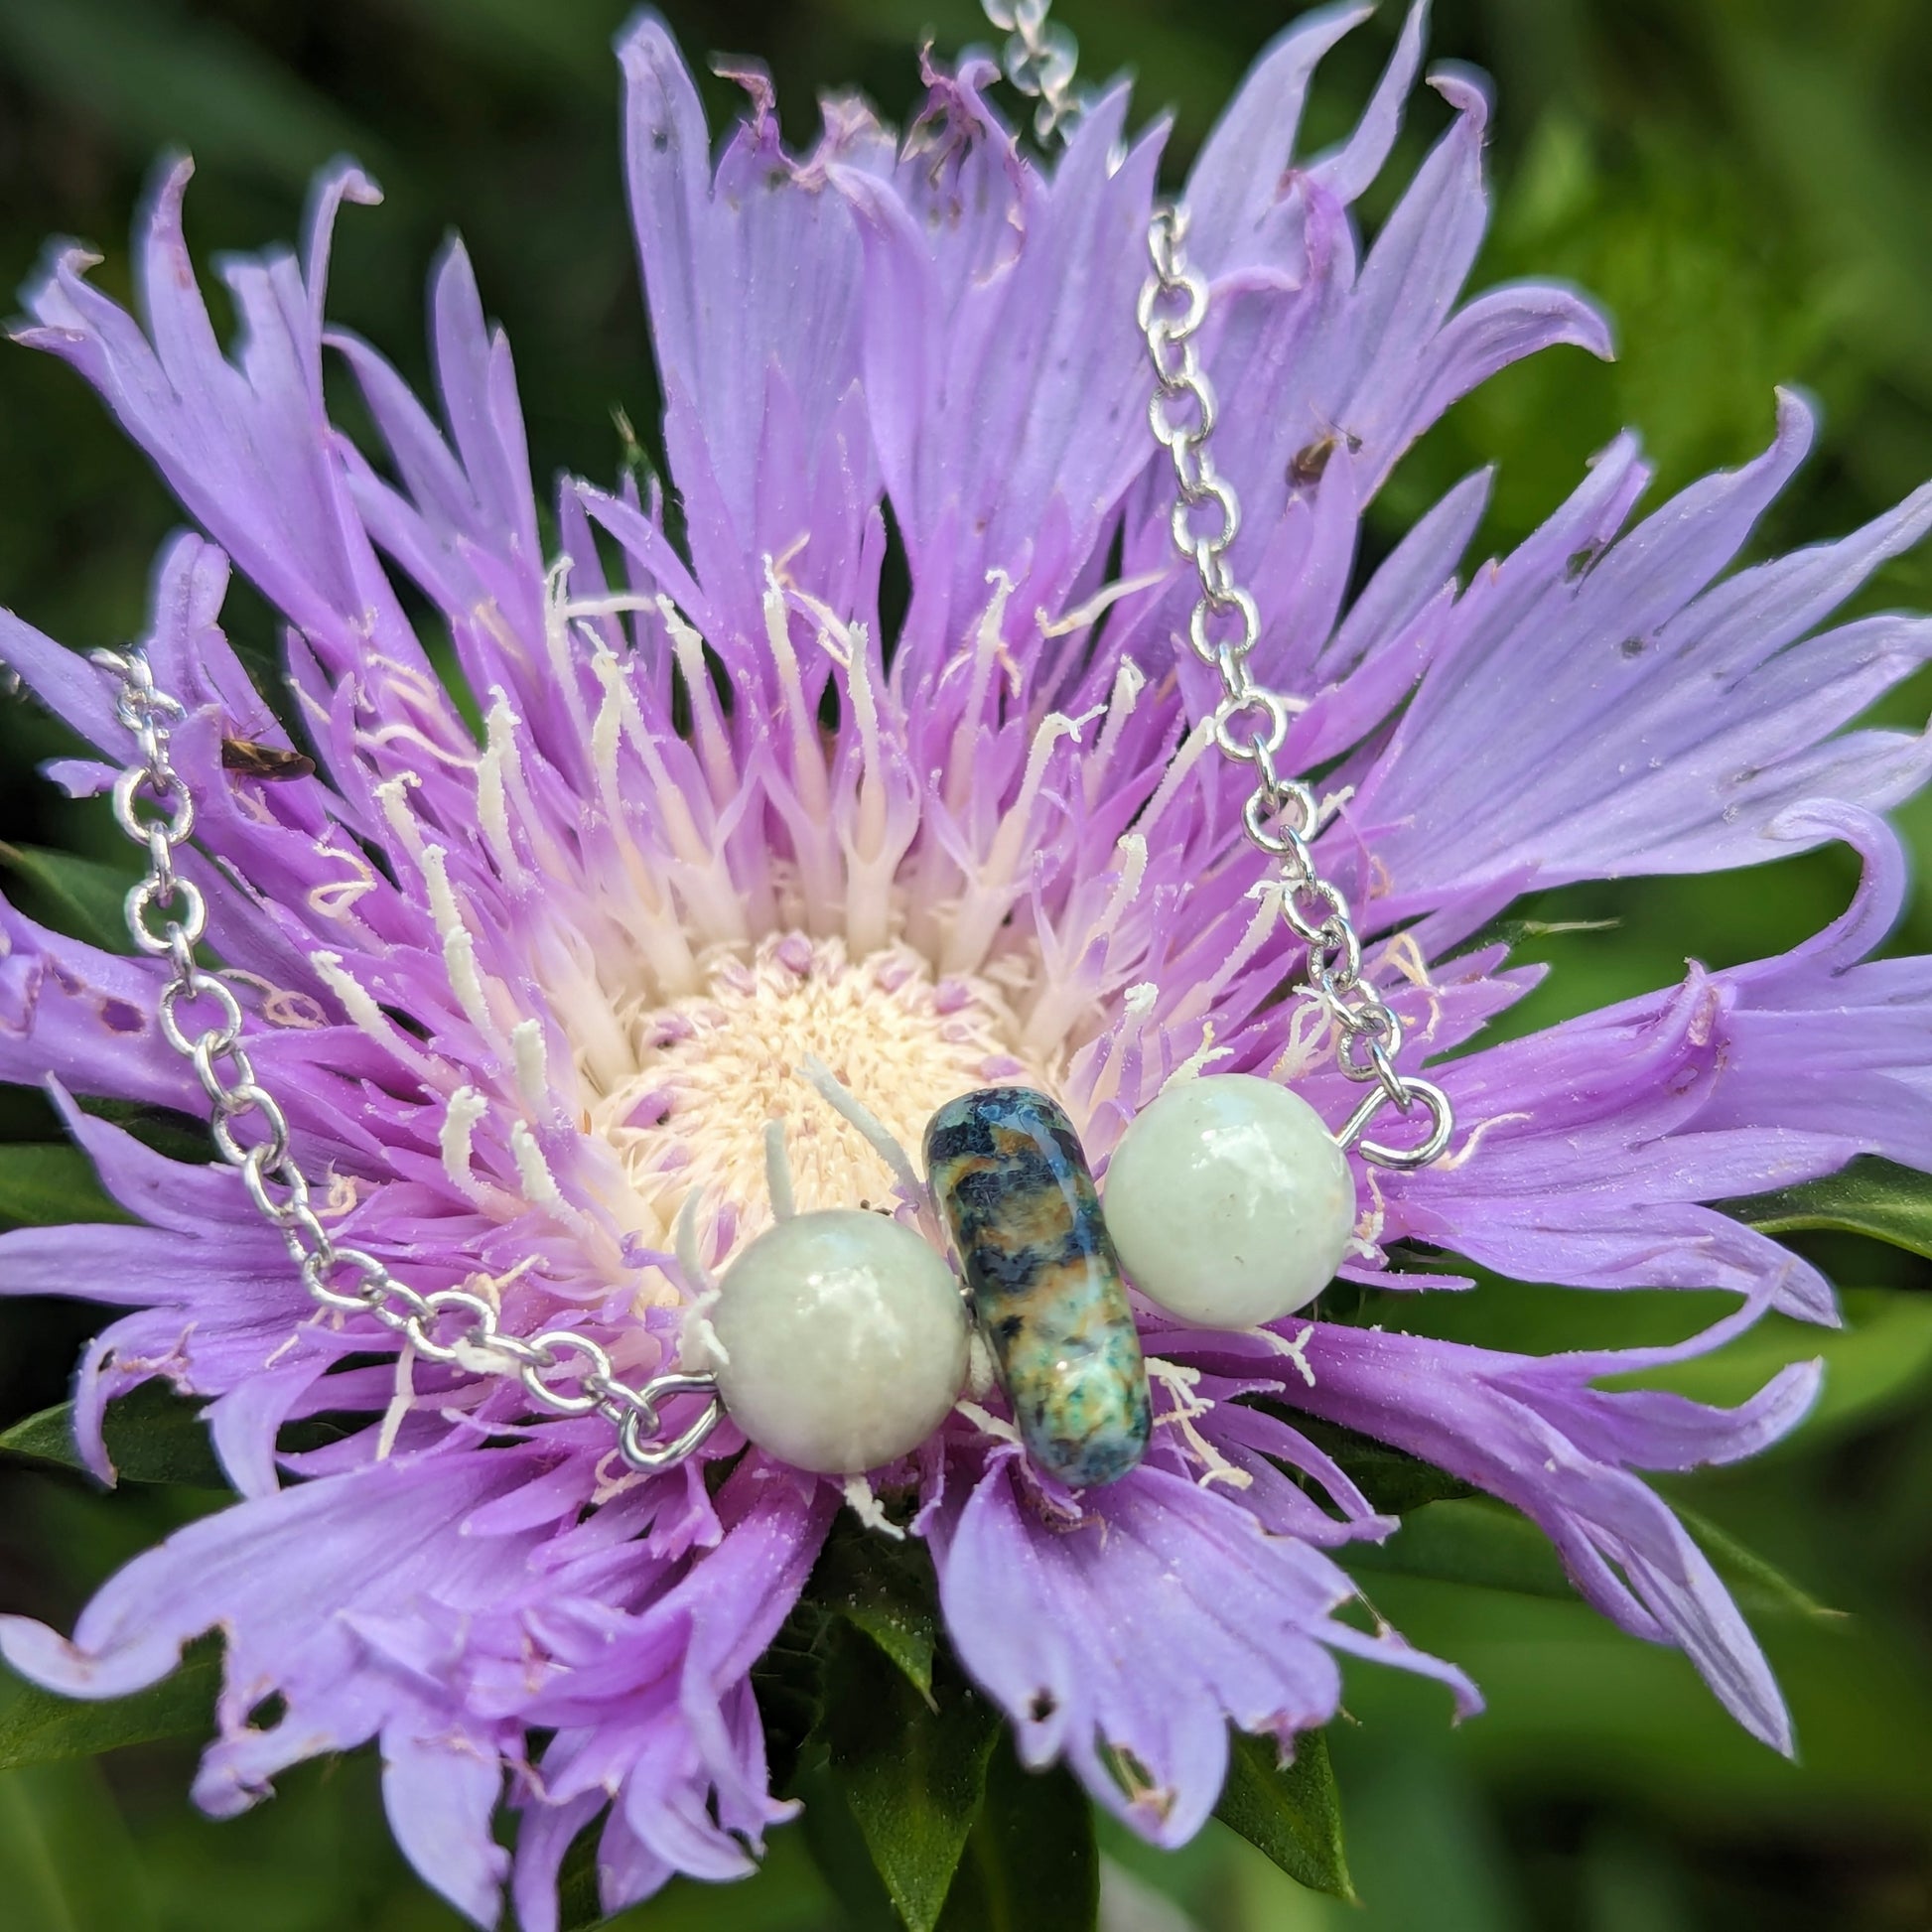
(1039, 56)
(561, 1370)
(1250, 724)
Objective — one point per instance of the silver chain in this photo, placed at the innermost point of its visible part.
(1039, 56)
(1250, 724)
(167, 916)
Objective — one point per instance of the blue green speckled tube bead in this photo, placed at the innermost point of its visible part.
(1007, 1174)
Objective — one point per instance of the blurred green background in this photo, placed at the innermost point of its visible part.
(1747, 185)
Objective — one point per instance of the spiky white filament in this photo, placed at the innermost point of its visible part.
(777, 1173)
(531, 1063)
(369, 1018)
(1202, 991)
(989, 650)
(880, 1137)
(492, 790)
(393, 799)
(714, 747)
(1203, 1058)
(1180, 773)
(653, 914)
(1183, 1383)
(814, 844)
(872, 853)
(859, 1499)
(1112, 1073)
(565, 664)
(989, 891)
(458, 947)
(698, 1347)
(711, 907)
(1069, 991)
(442, 908)
(456, 1142)
(532, 1170)
(1129, 682)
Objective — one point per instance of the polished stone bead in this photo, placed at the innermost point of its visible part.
(1006, 1172)
(1228, 1201)
(845, 1340)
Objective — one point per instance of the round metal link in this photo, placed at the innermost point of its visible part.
(1040, 59)
(1252, 702)
(149, 896)
(164, 787)
(161, 861)
(1336, 966)
(206, 1053)
(559, 1344)
(620, 1401)
(1363, 1059)
(199, 986)
(421, 1327)
(1281, 817)
(399, 1307)
(1327, 894)
(237, 1103)
(1209, 649)
(373, 1276)
(1174, 430)
(256, 1175)
(1166, 326)
(1207, 546)
(167, 918)
(525, 1354)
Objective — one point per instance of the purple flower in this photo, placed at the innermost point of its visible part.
(526, 998)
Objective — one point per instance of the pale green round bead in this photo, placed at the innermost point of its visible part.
(844, 1340)
(1228, 1201)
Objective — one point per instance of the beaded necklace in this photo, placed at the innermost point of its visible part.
(840, 1340)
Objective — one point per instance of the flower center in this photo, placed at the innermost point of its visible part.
(711, 1071)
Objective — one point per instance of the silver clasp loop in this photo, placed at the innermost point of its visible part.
(1441, 1124)
(648, 1457)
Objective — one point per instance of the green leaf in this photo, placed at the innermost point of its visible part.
(1487, 1545)
(1467, 1540)
(178, 1136)
(1519, 933)
(1291, 1812)
(38, 1728)
(784, 1895)
(83, 898)
(152, 1433)
(911, 1769)
(1879, 1364)
(1392, 1481)
(1872, 1197)
(1030, 1864)
(159, 76)
(1756, 1584)
(579, 1908)
(788, 1681)
(842, 1857)
(884, 1589)
(48, 1185)
(67, 1861)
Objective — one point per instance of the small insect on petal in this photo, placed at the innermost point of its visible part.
(270, 761)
